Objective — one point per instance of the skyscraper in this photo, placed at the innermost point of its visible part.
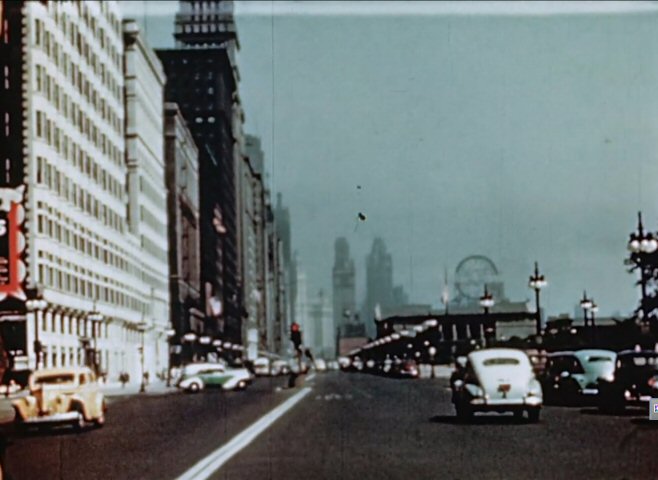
(344, 285)
(202, 77)
(379, 282)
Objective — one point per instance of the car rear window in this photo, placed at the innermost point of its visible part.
(599, 359)
(490, 362)
(54, 379)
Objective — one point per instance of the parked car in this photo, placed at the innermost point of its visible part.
(197, 376)
(320, 365)
(279, 367)
(497, 380)
(61, 396)
(262, 367)
(333, 365)
(634, 382)
(569, 377)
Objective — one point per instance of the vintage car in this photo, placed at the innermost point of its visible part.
(634, 382)
(262, 367)
(61, 396)
(280, 367)
(570, 377)
(197, 376)
(497, 380)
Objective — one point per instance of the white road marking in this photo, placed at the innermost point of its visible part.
(310, 377)
(213, 462)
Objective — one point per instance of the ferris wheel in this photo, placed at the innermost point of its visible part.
(472, 274)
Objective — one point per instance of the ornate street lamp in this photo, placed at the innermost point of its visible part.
(586, 304)
(35, 305)
(537, 282)
(95, 317)
(170, 333)
(641, 244)
(486, 300)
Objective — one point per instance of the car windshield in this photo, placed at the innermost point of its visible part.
(599, 359)
(490, 362)
(55, 379)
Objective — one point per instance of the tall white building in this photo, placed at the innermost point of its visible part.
(105, 284)
(147, 192)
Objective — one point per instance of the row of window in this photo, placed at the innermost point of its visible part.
(61, 228)
(154, 224)
(77, 117)
(50, 176)
(152, 249)
(79, 41)
(58, 279)
(56, 94)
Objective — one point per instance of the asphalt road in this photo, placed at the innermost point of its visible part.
(350, 426)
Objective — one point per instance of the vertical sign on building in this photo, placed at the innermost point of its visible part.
(12, 181)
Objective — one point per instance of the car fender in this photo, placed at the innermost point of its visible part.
(25, 407)
(76, 402)
(473, 390)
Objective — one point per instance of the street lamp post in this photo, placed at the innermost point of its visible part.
(487, 302)
(36, 305)
(586, 304)
(537, 282)
(170, 334)
(142, 329)
(95, 317)
(640, 245)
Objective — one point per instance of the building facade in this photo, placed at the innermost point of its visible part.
(146, 190)
(343, 284)
(63, 111)
(182, 176)
(203, 80)
(379, 283)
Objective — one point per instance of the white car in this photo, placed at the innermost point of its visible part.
(320, 365)
(197, 376)
(497, 380)
(280, 367)
(262, 366)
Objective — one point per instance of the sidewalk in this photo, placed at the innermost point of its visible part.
(116, 389)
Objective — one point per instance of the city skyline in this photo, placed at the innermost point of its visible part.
(456, 179)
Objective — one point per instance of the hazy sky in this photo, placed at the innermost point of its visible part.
(519, 131)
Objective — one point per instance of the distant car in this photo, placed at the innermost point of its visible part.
(572, 376)
(634, 382)
(279, 367)
(61, 396)
(320, 365)
(333, 365)
(262, 366)
(406, 369)
(197, 376)
(497, 380)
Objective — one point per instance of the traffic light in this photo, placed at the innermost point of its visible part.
(295, 335)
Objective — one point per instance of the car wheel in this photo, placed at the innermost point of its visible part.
(80, 423)
(611, 404)
(534, 414)
(518, 414)
(99, 421)
(464, 412)
(194, 387)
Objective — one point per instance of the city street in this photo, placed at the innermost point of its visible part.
(349, 426)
